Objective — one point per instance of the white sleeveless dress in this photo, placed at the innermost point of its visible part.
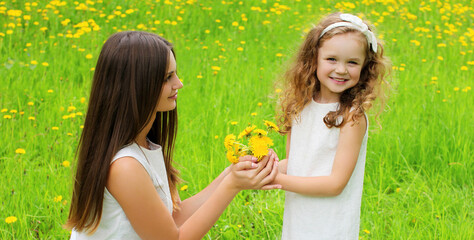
(312, 151)
(114, 223)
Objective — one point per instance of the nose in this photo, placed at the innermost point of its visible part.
(178, 84)
(341, 69)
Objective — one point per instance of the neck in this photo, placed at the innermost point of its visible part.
(141, 138)
(319, 98)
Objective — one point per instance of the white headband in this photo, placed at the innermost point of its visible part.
(355, 23)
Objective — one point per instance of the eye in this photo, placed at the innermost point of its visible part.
(353, 62)
(331, 59)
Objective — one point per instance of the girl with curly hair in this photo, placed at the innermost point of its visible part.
(333, 82)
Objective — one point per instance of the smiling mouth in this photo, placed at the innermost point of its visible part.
(174, 96)
(339, 79)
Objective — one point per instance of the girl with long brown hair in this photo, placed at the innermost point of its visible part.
(328, 90)
(125, 182)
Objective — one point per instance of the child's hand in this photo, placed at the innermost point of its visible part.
(248, 174)
(282, 166)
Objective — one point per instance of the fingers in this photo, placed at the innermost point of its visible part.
(266, 171)
(248, 158)
(245, 165)
(271, 186)
(270, 177)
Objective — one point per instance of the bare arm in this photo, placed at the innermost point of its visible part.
(190, 205)
(150, 217)
(347, 153)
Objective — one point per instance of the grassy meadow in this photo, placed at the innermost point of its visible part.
(419, 171)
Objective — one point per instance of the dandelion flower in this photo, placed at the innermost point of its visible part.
(229, 141)
(259, 145)
(66, 164)
(184, 188)
(89, 56)
(10, 219)
(231, 157)
(260, 132)
(20, 151)
(54, 128)
(58, 198)
(247, 131)
(271, 126)
(233, 123)
(7, 116)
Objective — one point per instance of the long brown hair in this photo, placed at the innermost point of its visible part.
(302, 83)
(126, 87)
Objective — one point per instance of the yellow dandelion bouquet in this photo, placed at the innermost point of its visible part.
(257, 142)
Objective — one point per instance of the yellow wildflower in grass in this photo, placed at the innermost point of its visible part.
(7, 116)
(464, 68)
(83, 99)
(33, 62)
(233, 123)
(66, 163)
(440, 58)
(247, 131)
(279, 55)
(30, 103)
(366, 231)
(54, 128)
(253, 114)
(184, 188)
(10, 219)
(278, 90)
(58, 198)
(240, 49)
(89, 56)
(20, 151)
(31, 118)
(45, 64)
(4, 110)
(50, 91)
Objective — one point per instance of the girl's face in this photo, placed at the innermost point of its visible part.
(340, 61)
(169, 91)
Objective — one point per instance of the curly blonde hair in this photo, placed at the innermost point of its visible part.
(302, 84)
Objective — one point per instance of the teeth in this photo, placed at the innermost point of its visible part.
(339, 80)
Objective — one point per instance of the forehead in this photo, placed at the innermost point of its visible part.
(171, 62)
(350, 43)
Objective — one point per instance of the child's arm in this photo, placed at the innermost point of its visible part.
(133, 189)
(347, 153)
(190, 205)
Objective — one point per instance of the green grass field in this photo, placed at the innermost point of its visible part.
(419, 172)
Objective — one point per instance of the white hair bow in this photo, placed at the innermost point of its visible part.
(355, 23)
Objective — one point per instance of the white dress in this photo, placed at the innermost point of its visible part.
(114, 224)
(312, 150)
